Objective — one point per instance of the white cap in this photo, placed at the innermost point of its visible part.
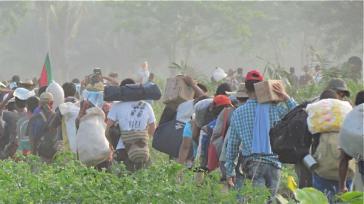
(23, 94)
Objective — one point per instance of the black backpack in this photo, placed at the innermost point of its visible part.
(49, 143)
(290, 138)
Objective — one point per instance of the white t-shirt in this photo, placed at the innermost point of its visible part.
(134, 115)
(185, 111)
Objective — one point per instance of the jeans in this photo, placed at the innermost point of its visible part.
(263, 175)
(205, 141)
(328, 187)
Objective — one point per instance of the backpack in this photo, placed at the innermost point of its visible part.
(22, 137)
(10, 141)
(136, 145)
(114, 135)
(327, 155)
(215, 147)
(290, 138)
(48, 144)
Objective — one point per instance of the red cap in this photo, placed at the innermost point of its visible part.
(254, 75)
(221, 100)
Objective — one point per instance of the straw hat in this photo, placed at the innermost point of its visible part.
(240, 93)
(46, 97)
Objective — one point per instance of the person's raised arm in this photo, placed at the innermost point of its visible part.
(7, 99)
(111, 80)
(190, 82)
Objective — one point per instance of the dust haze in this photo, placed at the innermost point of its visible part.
(119, 36)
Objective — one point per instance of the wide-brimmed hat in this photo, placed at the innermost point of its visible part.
(338, 85)
(240, 93)
(23, 93)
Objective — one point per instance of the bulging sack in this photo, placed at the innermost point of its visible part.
(351, 138)
(58, 94)
(92, 145)
(69, 112)
(327, 115)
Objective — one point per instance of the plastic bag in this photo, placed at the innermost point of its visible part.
(218, 74)
(327, 115)
(58, 95)
(92, 144)
(69, 112)
(351, 138)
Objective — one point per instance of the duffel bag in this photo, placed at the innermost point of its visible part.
(168, 137)
(132, 92)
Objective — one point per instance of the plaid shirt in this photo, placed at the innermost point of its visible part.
(241, 132)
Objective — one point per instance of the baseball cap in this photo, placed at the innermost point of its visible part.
(221, 100)
(254, 75)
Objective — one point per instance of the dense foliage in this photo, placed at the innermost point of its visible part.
(29, 180)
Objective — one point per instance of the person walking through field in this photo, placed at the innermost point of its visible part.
(136, 121)
(249, 130)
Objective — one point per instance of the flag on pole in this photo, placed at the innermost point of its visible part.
(46, 74)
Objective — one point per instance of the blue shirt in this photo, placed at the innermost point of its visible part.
(241, 132)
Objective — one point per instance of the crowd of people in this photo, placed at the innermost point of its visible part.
(229, 131)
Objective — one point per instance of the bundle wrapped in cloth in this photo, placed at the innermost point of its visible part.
(327, 115)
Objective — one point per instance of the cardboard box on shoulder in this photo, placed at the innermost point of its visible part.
(264, 91)
(177, 91)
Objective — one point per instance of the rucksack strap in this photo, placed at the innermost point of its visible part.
(43, 116)
(315, 142)
(224, 127)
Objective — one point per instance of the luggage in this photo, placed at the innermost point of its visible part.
(327, 115)
(351, 138)
(58, 94)
(265, 93)
(69, 111)
(327, 155)
(136, 145)
(177, 91)
(168, 137)
(132, 92)
(290, 138)
(92, 145)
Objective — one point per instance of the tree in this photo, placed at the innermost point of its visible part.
(180, 28)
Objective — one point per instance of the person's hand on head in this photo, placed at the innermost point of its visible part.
(189, 81)
(280, 91)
